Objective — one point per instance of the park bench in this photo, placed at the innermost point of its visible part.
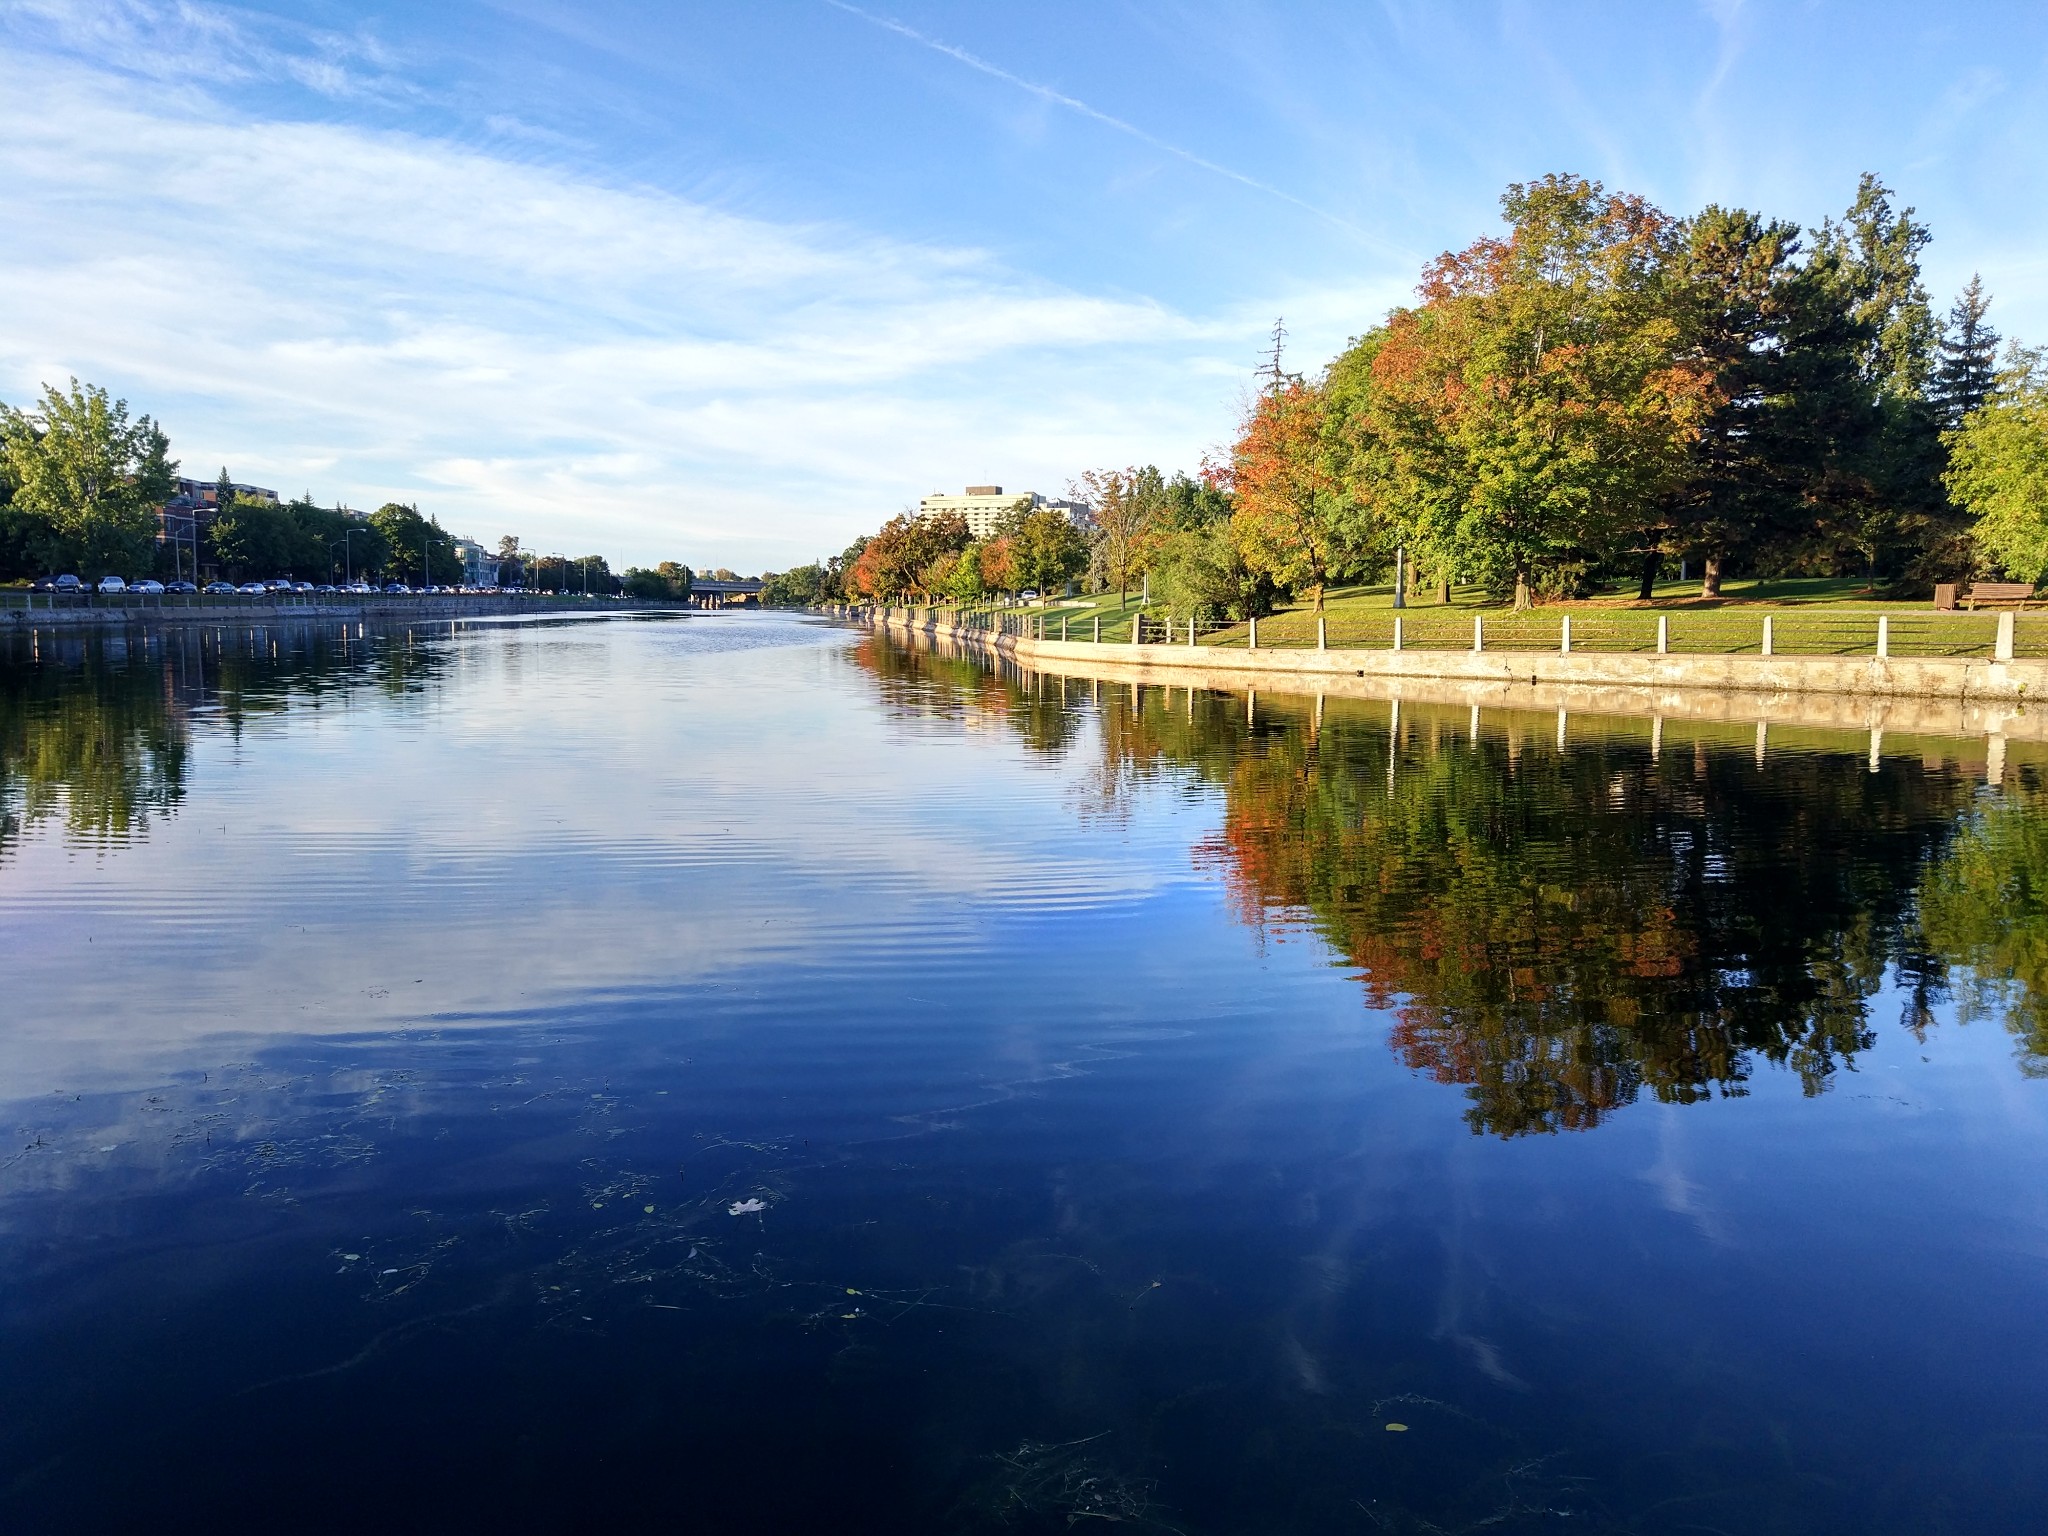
(2018, 593)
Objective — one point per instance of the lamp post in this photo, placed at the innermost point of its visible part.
(348, 552)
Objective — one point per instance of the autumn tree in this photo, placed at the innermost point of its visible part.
(1124, 505)
(1289, 499)
(1535, 394)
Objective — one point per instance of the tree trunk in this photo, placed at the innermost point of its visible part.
(1443, 591)
(1652, 562)
(1316, 600)
(1710, 576)
(1521, 590)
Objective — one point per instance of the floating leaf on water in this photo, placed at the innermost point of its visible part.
(647, 1209)
(747, 1207)
(351, 1257)
(1397, 1429)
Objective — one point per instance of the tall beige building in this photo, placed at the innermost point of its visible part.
(985, 505)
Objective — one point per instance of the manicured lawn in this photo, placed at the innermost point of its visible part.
(1810, 616)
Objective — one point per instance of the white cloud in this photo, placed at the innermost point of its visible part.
(371, 314)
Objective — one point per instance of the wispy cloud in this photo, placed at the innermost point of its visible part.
(1074, 104)
(527, 349)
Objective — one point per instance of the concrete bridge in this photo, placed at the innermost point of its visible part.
(706, 593)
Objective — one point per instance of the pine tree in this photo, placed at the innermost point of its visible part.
(1966, 365)
(223, 491)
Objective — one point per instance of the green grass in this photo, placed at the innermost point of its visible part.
(1810, 616)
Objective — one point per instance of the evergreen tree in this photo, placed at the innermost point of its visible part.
(1884, 510)
(223, 491)
(1966, 368)
(1733, 276)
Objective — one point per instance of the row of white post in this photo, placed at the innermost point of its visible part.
(2002, 649)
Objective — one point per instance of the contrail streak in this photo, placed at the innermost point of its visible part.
(1073, 104)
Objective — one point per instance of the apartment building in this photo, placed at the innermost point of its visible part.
(983, 506)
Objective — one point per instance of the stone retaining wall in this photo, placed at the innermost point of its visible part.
(1955, 697)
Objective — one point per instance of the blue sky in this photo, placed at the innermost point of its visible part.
(731, 284)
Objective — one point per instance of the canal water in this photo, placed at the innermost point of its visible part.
(739, 1074)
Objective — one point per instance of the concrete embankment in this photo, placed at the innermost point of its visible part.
(1938, 696)
(375, 610)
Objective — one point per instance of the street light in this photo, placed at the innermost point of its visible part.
(348, 551)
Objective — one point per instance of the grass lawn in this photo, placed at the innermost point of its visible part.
(1810, 616)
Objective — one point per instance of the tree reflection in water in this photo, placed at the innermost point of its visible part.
(96, 728)
(1562, 929)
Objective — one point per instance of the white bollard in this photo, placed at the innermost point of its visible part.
(1768, 637)
(1478, 632)
(1397, 631)
(2002, 649)
(1884, 636)
(1322, 634)
(1252, 635)
(1564, 639)
(1663, 634)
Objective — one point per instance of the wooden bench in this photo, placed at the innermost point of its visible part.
(2018, 593)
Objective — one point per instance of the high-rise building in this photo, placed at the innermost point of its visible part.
(986, 505)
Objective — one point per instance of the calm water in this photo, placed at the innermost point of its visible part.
(733, 1074)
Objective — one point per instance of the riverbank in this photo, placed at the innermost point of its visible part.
(1949, 696)
(158, 615)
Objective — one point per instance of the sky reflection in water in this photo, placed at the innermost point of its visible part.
(1145, 1106)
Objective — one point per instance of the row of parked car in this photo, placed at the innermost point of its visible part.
(115, 585)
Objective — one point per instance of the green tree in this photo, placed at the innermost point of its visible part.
(1966, 367)
(1998, 469)
(89, 478)
(1885, 502)
(1124, 507)
(418, 551)
(803, 586)
(667, 582)
(1541, 374)
(1732, 287)
(1047, 549)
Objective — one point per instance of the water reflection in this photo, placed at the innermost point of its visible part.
(1563, 916)
(766, 1080)
(96, 727)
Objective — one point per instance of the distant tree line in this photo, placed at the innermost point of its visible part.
(83, 485)
(1601, 395)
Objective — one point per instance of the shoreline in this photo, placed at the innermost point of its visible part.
(1932, 696)
(446, 607)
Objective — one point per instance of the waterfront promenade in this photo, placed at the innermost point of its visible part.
(1953, 696)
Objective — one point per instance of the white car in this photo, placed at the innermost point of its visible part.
(112, 584)
(152, 587)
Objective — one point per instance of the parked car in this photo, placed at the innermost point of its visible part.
(150, 586)
(179, 586)
(277, 584)
(220, 586)
(253, 589)
(326, 586)
(70, 584)
(395, 586)
(303, 586)
(112, 584)
(360, 586)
